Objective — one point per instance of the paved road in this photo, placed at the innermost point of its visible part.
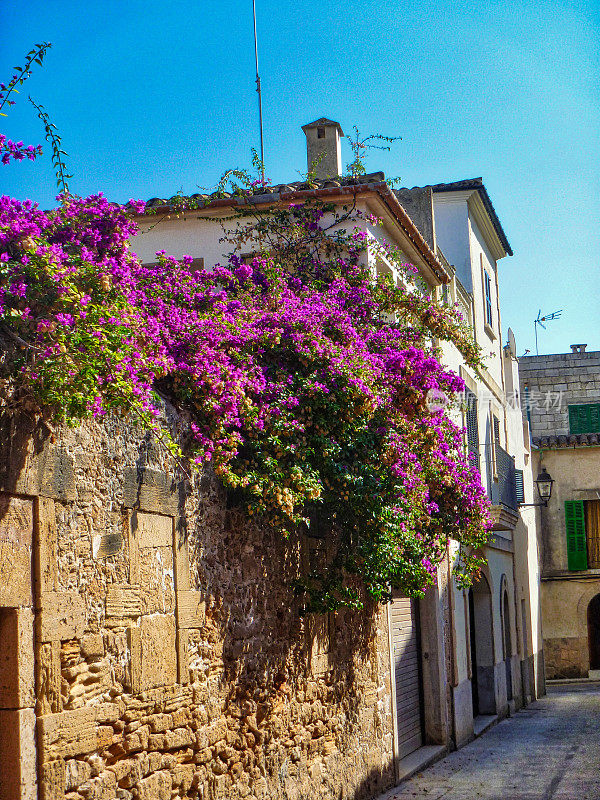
(548, 751)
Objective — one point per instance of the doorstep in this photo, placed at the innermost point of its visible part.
(415, 762)
(421, 758)
(484, 722)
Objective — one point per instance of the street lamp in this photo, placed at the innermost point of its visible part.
(544, 485)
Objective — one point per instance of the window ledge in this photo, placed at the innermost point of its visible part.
(490, 332)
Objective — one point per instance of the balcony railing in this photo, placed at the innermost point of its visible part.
(504, 490)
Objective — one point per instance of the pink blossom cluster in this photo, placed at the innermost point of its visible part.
(17, 150)
(304, 399)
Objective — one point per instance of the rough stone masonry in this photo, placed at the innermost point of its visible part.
(151, 647)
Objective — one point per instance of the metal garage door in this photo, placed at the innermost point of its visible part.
(405, 641)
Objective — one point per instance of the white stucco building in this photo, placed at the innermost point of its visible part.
(457, 655)
(497, 623)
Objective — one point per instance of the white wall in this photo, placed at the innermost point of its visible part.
(452, 234)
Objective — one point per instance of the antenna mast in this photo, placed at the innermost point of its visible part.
(260, 120)
(540, 321)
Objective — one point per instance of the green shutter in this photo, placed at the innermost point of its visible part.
(576, 545)
(576, 418)
(519, 486)
(584, 418)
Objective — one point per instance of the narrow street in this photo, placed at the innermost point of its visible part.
(547, 751)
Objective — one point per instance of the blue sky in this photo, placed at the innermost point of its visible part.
(151, 98)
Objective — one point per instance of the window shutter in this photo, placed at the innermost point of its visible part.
(592, 532)
(576, 419)
(519, 487)
(584, 418)
(472, 430)
(576, 546)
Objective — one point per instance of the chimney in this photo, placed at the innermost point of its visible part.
(323, 146)
(578, 348)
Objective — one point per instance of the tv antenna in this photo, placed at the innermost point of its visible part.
(260, 120)
(540, 321)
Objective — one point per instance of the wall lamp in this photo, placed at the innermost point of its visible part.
(544, 484)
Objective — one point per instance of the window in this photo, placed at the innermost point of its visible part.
(248, 258)
(494, 445)
(472, 427)
(582, 518)
(445, 295)
(584, 418)
(576, 545)
(496, 423)
(519, 486)
(320, 133)
(489, 319)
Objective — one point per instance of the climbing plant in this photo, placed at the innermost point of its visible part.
(303, 377)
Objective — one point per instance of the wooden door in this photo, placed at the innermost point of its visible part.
(407, 673)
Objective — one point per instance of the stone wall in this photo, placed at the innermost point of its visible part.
(155, 649)
(555, 381)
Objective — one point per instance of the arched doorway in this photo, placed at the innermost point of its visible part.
(507, 644)
(593, 620)
(481, 634)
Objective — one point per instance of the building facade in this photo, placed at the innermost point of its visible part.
(149, 643)
(459, 655)
(561, 394)
(496, 624)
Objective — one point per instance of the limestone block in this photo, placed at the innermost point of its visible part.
(67, 734)
(104, 736)
(92, 646)
(18, 755)
(134, 642)
(107, 544)
(16, 535)
(180, 737)
(17, 687)
(156, 580)
(132, 531)
(209, 735)
(49, 698)
(152, 530)
(182, 558)
(150, 490)
(123, 604)
(183, 659)
(191, 609)
(155, 787)
(31, 465)
(61, 617)
(46, 551)
(76, 773)
(158, 655)
(107, 713)
(52, 780)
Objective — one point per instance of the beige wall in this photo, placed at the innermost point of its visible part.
(565, 595)
(576, 474)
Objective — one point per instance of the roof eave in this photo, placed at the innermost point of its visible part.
(330, 193)
(476, 184)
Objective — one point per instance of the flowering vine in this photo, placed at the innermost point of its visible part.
(302, 375)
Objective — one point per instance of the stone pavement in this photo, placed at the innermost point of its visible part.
(548, 751)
